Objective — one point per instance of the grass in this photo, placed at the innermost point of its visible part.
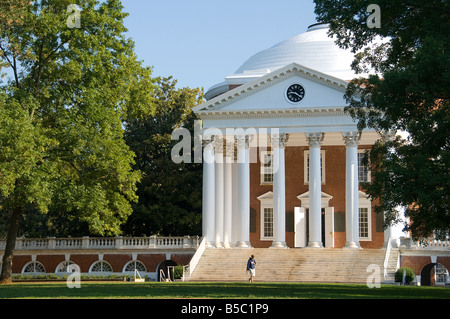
(217, 290)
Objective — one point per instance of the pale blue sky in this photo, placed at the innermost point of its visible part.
(199, 42)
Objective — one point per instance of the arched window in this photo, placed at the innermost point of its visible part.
(67, 266)
(134, 264)
(33, 267)
(101, 266)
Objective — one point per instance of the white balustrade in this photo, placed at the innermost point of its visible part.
(433, 244)
(153, 242)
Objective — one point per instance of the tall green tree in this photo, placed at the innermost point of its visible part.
(170, 193)
(411, 93)
(74, 82)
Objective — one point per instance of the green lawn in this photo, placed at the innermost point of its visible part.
(217, 290)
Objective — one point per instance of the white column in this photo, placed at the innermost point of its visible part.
(208, 201)
(244, 190)
(279, 191)
(228, 194)
(315, 190)
(351, 189)
(219, 188)
(236, 221)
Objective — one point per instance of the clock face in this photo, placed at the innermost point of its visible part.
(295, 93)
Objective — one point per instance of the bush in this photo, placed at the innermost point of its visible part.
(409, 278)
(178, 271)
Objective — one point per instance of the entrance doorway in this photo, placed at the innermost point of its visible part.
(322, 223)
(163, 273)
(434, 274)
(301, 221)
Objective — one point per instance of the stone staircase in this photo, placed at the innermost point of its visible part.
(392, 266)
(285, 265)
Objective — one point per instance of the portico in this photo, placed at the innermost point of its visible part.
(227, 185)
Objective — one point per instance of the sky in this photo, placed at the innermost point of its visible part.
(200, 42)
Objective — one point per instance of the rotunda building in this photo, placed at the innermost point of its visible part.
(282, 158)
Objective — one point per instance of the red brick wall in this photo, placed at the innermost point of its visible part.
(117, 261)
(418, 262)
(19, 262)
(334, 185)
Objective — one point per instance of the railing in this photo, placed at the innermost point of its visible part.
(433, 244)
(187, 271)
(152, 242)
(425, 243)
(386, 257)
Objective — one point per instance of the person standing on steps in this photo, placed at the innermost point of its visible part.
(251, 263)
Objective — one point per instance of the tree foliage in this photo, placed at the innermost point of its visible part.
(63, 110)
(410, 93)
(169, 193)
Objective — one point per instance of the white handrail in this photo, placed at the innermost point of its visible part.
(196, 258)
(386, 257)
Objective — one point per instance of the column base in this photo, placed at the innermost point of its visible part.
(352, 245)
(209, 244)
(226, 245)
(315, 244)
(218, 244)
(279, 244)
(243, 244)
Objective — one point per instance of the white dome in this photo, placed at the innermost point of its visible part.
(313, 49)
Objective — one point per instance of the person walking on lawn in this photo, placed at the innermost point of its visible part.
(251, 263)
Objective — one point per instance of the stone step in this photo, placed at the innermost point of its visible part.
(320, 265)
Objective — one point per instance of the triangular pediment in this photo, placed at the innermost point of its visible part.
(266, 196)
(268, 93)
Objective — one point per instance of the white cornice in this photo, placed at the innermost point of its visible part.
(273, 113)
(216, 104)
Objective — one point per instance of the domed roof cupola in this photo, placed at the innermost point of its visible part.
(313, 49)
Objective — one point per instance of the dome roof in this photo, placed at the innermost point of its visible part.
(313, 49)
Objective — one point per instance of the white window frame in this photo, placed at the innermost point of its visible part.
(306, 166)
(35, 266)
(63, 266)
(102, 263)
(266, 201)
(263, 221)
(367, 168)
(266, 170)
(364, 202)
(136, 264)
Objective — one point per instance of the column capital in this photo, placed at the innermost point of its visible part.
(279, 140)
(315, 139)
(207, 140)
(351, 138)
(229, 148)
(243, 141)
(218, 144)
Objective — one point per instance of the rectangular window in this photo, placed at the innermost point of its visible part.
(306, 166)
(364, 223)
(266, 167)
(268, 223)
(363, 171)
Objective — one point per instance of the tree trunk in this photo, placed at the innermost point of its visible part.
(6, 275)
